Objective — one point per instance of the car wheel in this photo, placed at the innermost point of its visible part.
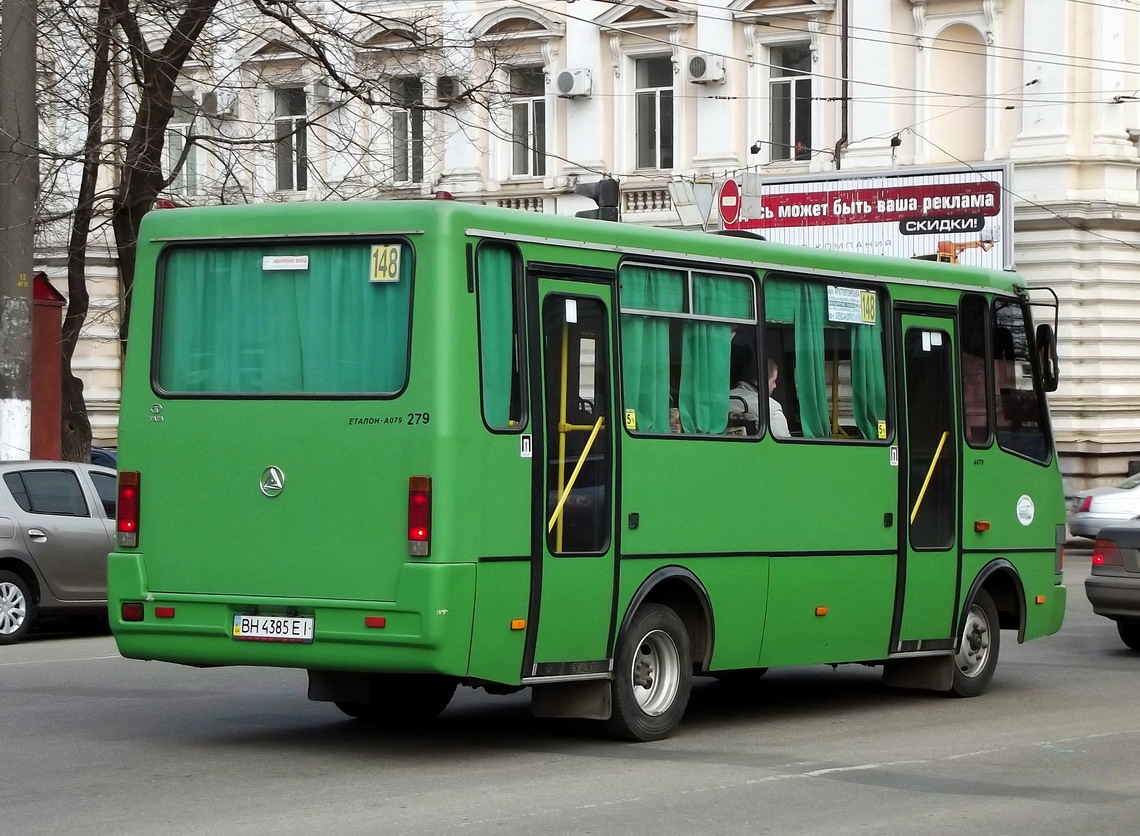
(977, 655)
(17, 609)
(652, 677)
(1129, 633)
(402, 698)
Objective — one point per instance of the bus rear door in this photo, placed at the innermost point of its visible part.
(929, 570)
(573, 582)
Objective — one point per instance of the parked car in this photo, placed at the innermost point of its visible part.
(1113, 588)
(1095, 508)
(57, 524)
(105, 456)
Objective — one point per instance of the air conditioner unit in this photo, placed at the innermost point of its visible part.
(448, 89)
(573, 83)
(217, 104)
(706, 69)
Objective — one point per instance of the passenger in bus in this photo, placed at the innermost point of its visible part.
(776, 412)
(744, 398)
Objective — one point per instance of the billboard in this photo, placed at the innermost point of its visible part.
(959, 215)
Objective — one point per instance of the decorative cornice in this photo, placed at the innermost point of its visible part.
(745, 10)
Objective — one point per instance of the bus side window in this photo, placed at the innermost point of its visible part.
(975, 392)
(1020, 419)
(827, 342)
(681, 336)
(500, 373)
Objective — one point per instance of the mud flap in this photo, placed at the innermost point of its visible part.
(930, 673)
(585, 700)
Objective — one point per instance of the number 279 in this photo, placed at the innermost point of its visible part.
(419, 417)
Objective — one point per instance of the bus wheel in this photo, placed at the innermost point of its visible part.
(403, 698)
(1129, 633)
(17, 609)
(977, 656)
(652, 677)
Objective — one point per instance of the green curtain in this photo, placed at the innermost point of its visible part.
(645, 343)
(868, 381)
(804, 304)
(707, 350)
(495, 266)
(811, 383)
(230, 326)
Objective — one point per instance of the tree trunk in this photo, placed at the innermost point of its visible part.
(75, 425)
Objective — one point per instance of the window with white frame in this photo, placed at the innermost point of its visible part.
(407, 94)
(653, 97)
(292, 140)
(528, 122)
(178, 131)
(789, 90)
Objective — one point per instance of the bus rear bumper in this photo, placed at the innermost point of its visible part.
(427, 630)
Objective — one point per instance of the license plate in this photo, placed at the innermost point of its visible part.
(273, 628)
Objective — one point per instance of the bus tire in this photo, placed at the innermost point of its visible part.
(977, 654)
(1129, 633)
(397, 699)
(17, 608)
(653, 675)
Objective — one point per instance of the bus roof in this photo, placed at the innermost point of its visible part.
(308, 218)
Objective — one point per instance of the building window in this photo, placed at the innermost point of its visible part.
(178, 131)
(292, 141)
(789, 90)
(653, 78)
(528, 122)
(407, 129)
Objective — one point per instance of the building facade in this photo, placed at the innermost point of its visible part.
(515, 103)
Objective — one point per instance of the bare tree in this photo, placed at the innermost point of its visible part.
(182, 102)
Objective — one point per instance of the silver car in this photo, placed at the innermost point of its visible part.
(1095, 508)
(57, 524)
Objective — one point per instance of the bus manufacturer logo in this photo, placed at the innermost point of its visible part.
(272, 481)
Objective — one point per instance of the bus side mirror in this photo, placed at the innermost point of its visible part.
(1047, 353)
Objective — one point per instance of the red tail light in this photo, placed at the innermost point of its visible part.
(1086, 504)
(127, 509)
(419, 516)
(1106, 553)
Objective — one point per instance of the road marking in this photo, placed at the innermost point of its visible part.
(815, 773)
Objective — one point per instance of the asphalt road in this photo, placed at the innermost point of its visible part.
(94, 743)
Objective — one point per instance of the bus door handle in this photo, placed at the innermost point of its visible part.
(36, 535)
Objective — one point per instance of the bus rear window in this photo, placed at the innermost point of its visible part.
(291, 319)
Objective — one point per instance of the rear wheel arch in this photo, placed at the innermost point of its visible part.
(26, 573)
(1000, 579)
(681, 591)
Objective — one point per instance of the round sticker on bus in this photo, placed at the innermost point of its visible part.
(1025, 510)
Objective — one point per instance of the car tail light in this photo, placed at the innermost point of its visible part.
(1106, 553)
(127, 510)
(1086, 504)
(419, 516)
(132, 611)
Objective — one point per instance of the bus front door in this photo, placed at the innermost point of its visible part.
(573, 581)
(929, 566)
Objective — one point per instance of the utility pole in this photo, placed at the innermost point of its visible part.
(19, 181)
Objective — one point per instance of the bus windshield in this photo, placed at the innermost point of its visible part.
(293, 319)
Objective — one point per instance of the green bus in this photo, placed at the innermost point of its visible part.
(411, 445)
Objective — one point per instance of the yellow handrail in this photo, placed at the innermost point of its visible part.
(557, 515)
(929, 473)
(564, 370)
